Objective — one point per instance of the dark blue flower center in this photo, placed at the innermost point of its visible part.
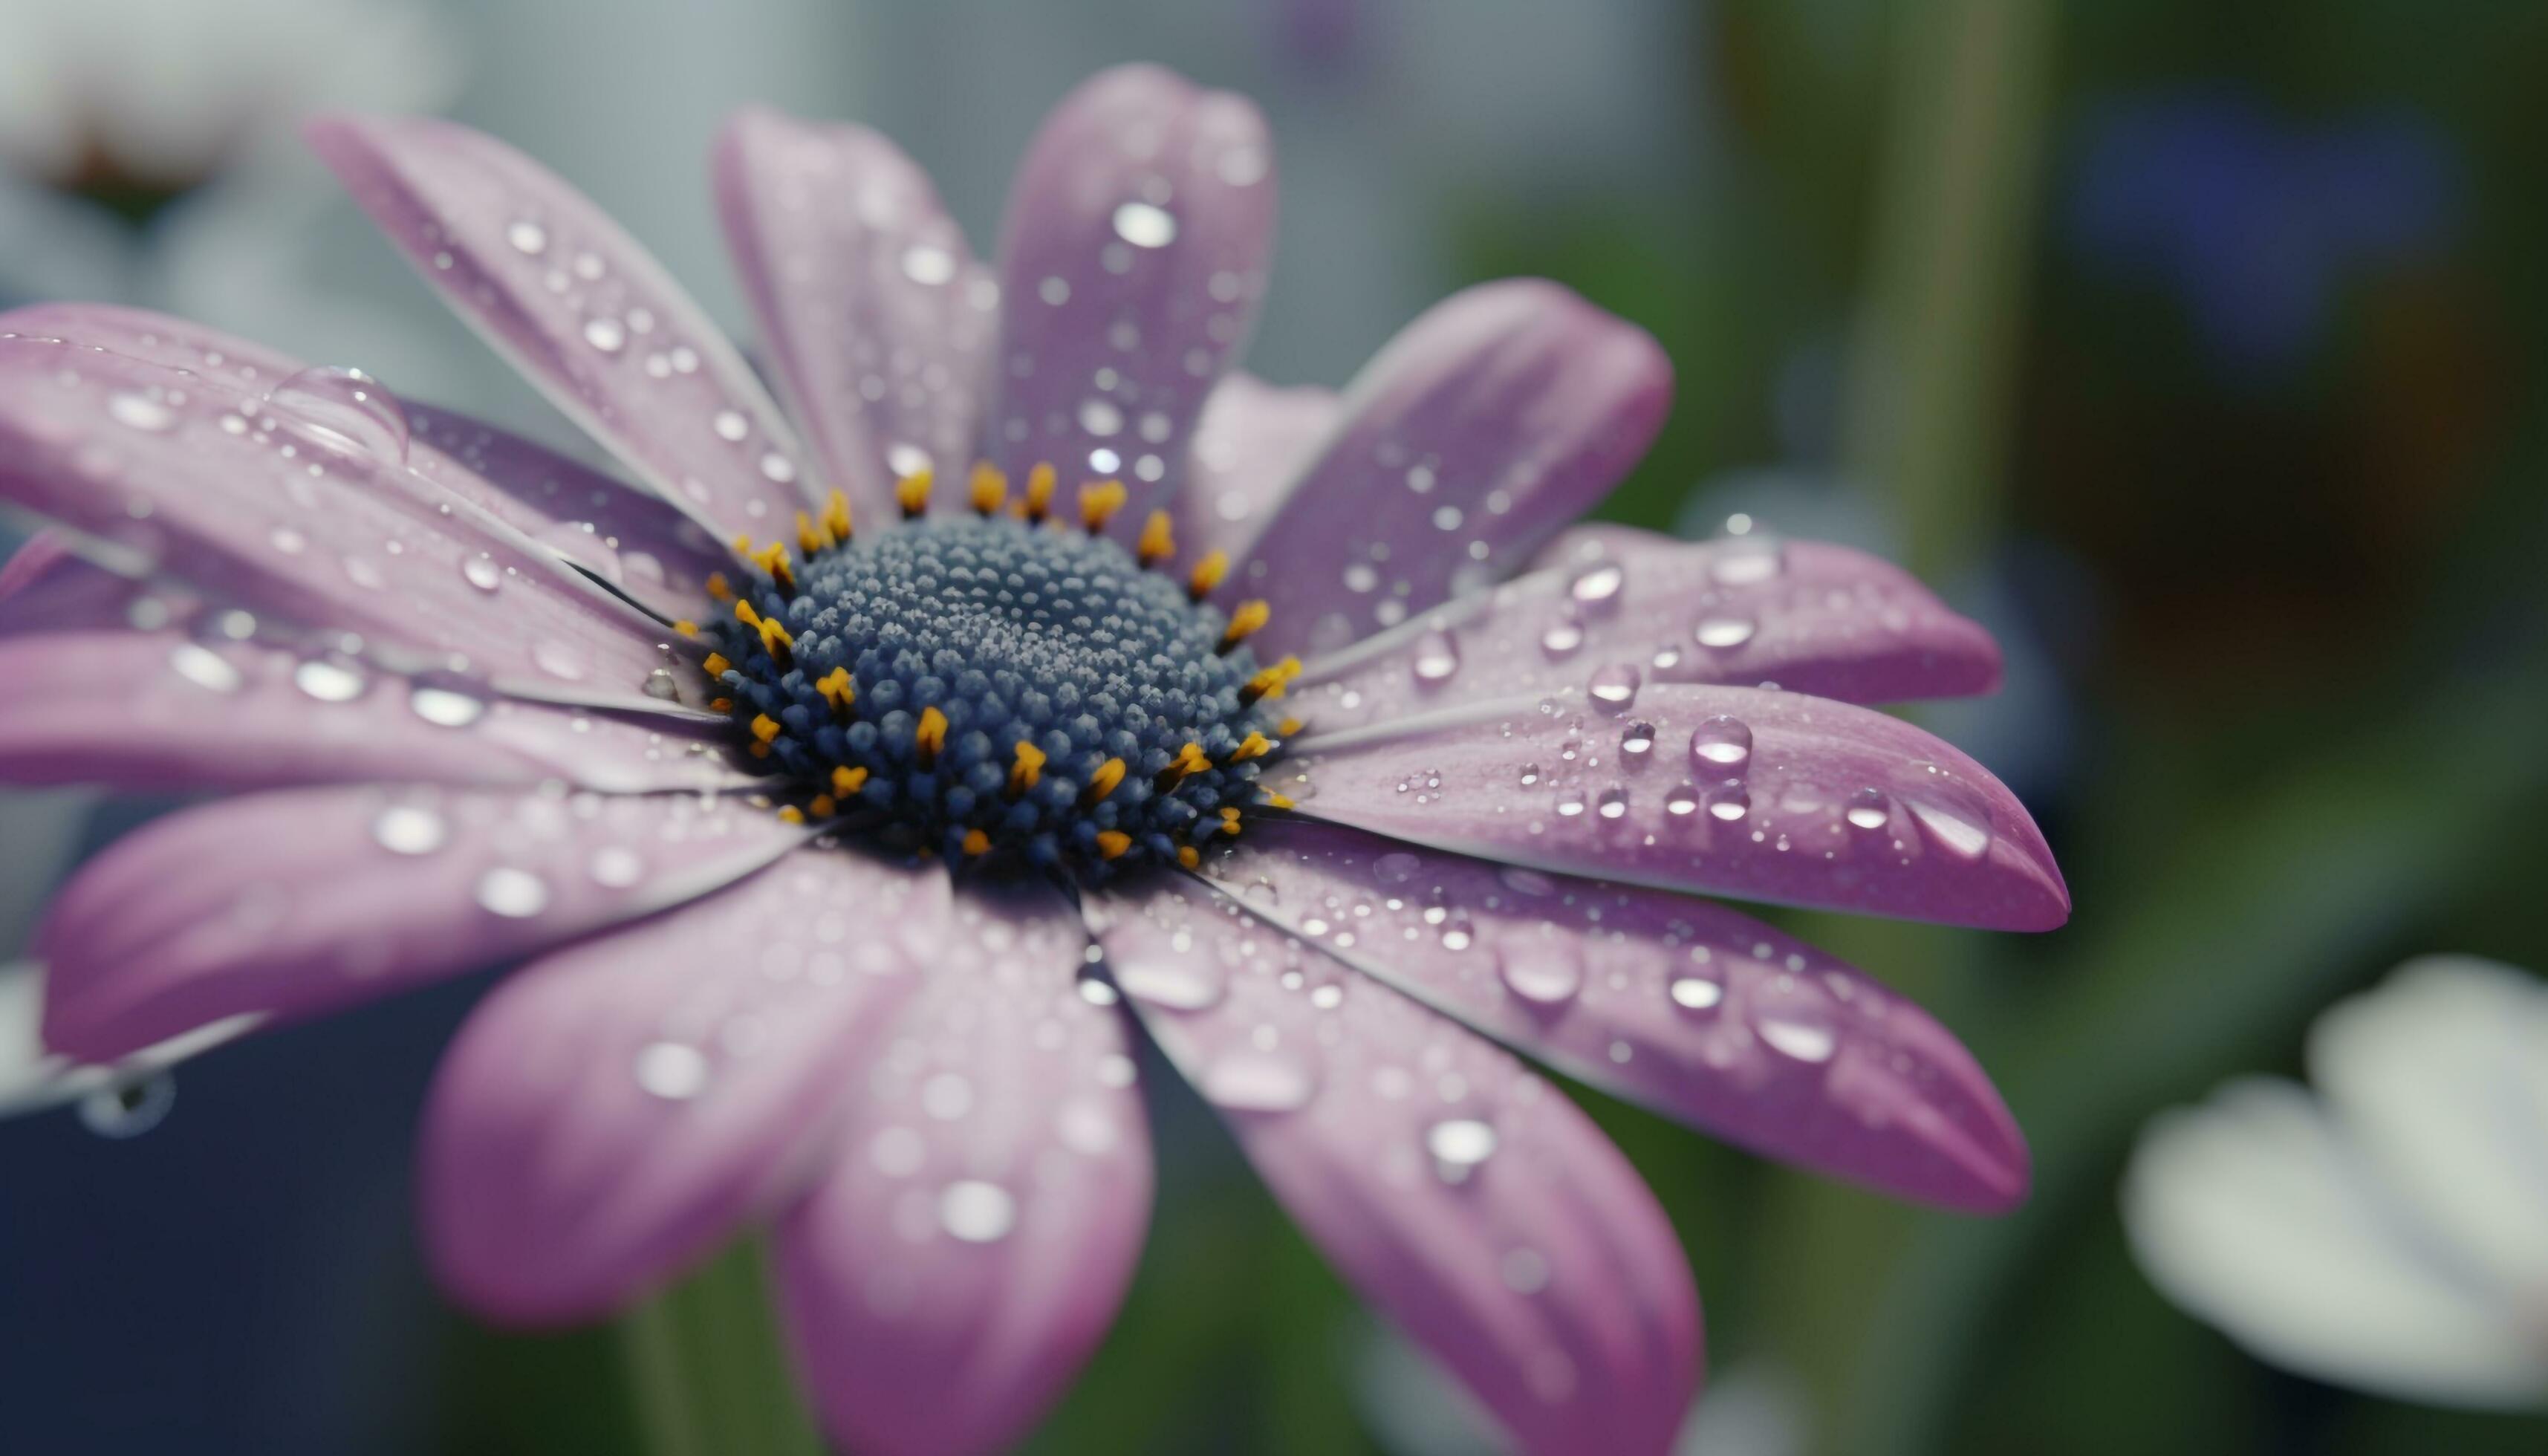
(994, 689)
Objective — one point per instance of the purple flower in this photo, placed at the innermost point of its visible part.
(842, 909)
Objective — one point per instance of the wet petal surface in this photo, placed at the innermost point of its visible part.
(1252, 440)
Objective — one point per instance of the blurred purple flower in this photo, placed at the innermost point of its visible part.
(2256, 221)
(955, 800)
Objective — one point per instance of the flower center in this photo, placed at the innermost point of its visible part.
(996, 686)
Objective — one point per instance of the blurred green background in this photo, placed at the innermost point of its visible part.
(2196, 349)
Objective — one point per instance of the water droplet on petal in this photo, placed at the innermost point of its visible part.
(671, 1070)
(1869, 808)
(1547, 972)
(605, 333)
(1637, 739)
(925, 264)
(1721, 742)
(1615, 687)
(445, 708)
(1729, 801)
(1696, 993)
(1259, 1082)
(976, 1212)
(410, 829)
(1437, 657)
(142, 412)
(203, 668)
(1799, 1032)
(616, 866)
(482, 573)
(1179, 984)
(661, 683)
(528, 238)
(1561, 639)
(1723, 633)
(1144, 225)
(1681, 801)
(1598, 586)
(328, 682)
(1459, 1145)
(515, 894)
(1612, 803)
(345, 409)
(1954, 833)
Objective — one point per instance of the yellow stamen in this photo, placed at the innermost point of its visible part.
(790, 814)
(1187, 857)
(773, 559)
(760, 750)
(1189, 759)
(1207, 575)
(976, 842)
(1246, 621)
(1158, 542)
(1112, 843)
(1287, 728)
(764, 727)
(838, 690)
(990, 488)
(810, 538)
(721, 705)
(1270, 682)
(1103, 781)
(836, 517)
(1040, 487)
(776, 641)
(1253, 745)
(847, 782)
(716, 666)
(824, 806)
(719, 588)
(1275, 801)
(1098, 502)
(1230, 822)
(930, 735)
(912, 491)
(687, 627)
(1028, 768)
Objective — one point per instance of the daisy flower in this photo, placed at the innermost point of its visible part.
(861, 785)
(2382, 1231)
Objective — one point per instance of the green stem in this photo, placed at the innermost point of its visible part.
(707, 1373)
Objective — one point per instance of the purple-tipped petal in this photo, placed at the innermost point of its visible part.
(582, 310)
(1130, 263)
(1252, 439)
(985, 1202)
(1735, 791)
(176, 711)
(1466, 1198)
(615, 1110)
(271, 504)
(878, 322)
(1488, 424)
(564, 506)
(1680, 1004)
(1802, 615)
(299, 902)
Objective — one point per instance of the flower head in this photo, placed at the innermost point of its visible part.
(859, 785)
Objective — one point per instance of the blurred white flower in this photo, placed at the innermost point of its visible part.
(2388, 1230)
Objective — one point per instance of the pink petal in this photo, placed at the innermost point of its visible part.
(613, 1111)
(257, 504)
(46, 586)
(299, 902)
(1734, 792)
(582, 310)
(1252, 441)
(985, 1202)
(1679, 1004)
(1465, 1197)
(1801, 616)
(1497, 417)
(1133, 252)
(877, 319)
(171, 711)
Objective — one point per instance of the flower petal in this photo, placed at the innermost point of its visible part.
(1469, 1200)
(47, 587)
(1491, 421)
(877, 319)
(169, 711)
(33, 1078)
(1130, 263)
(1682, 1005)
(582, 310)
(985, 1202)
(299, 902)
(2255, 1214)
(1249, 443)
(614, 1110)
(2441, 1078)
(259, 505)
(1802, 615)
(1735, 791)
(573, 510)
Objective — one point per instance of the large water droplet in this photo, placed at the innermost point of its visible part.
(1144, 225)
(1459, 1145)
(1259, 1082)
(976, 1212)
(328, 682)
(1729, 801)
(1800, 1031)
(605, 333)
(515, 894)
(1636, 741)
(1954, 833)
(1547, 972)
(1723, 633)
(482, 573)
(410, 829)
(1721, 742)
(1437, 657)
(446, 708)
(1615, 687)
(1596, 587)
(345, 409)
(1696, 993)
(128, 1109)
(1561, 638)
(1612, 803)
(1869, 808)
(673, 1070)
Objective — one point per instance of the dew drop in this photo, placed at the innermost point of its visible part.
(445, 708)
(1437, 657)
(1956, 834)
(605, 333)
(928, 264)
(528, 238)
(1681, 801)
(1723, 633)
(410, 829)
(205, 668)
(1259, 1082)
(1869, 808)
(616, 866)
(1143, 225)
(1598, 587)
(1741, 562)
(1637, 739)
(662, 685)
(1561, 639)
(142, 412)
(1569, 805)
(515, 894)
(673, 1070)
(731, 426)
(976, 1212)
(328, 682)
(482, 573)
(1459, 1145)
(1612, 803)
(1696, 993)
(1721, 742)
(1546, 975)
(1799, 1033)
(1729, 801)
(345, 409)
(1615, 687)
(1177, 984)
